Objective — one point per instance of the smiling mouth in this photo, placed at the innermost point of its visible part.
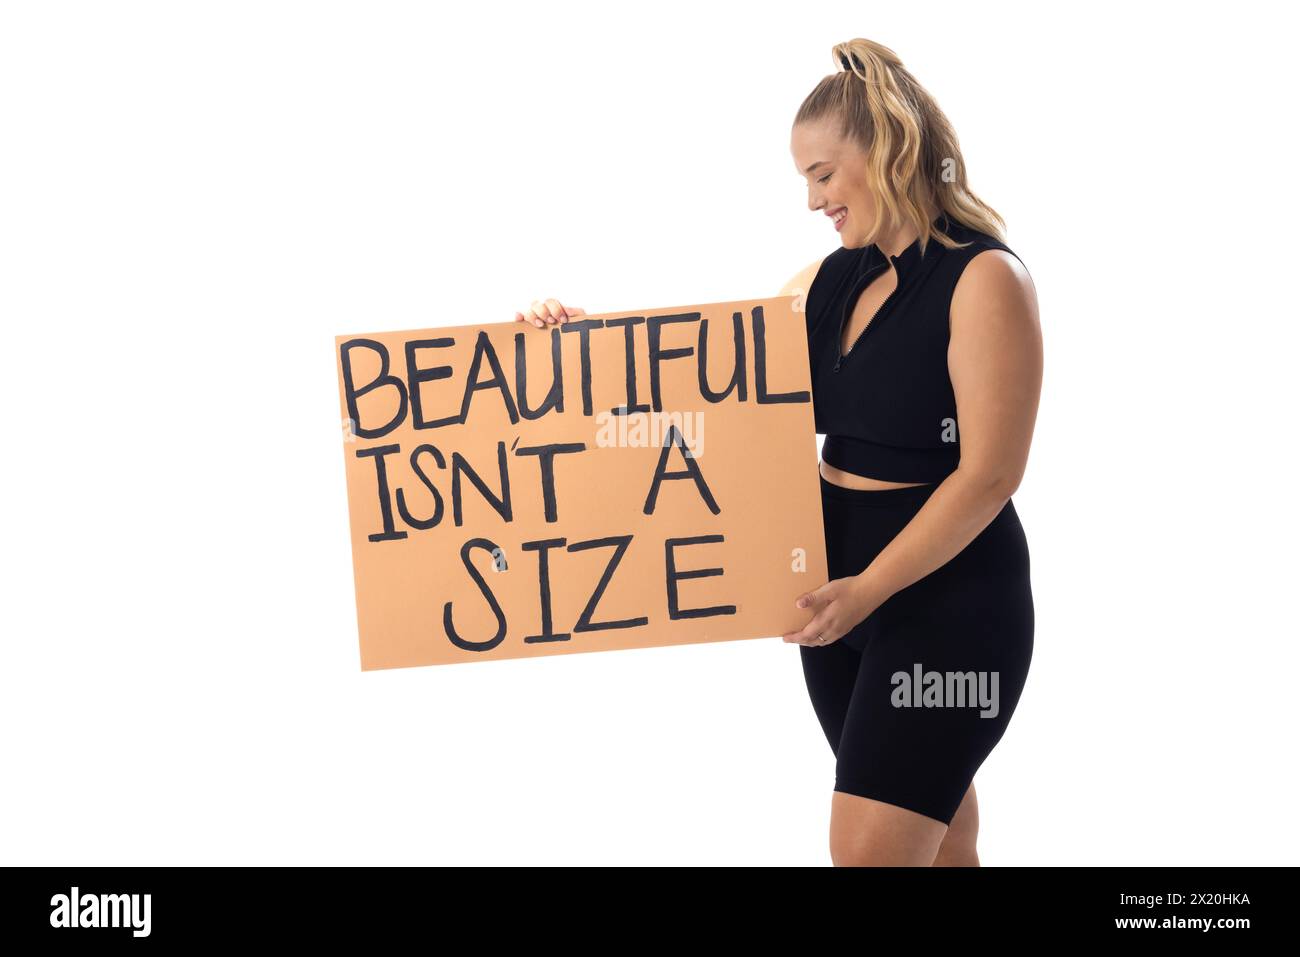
(838, 218)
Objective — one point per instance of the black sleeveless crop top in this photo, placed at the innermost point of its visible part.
(887, 407)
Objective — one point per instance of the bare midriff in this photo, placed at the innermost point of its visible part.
(850, 480)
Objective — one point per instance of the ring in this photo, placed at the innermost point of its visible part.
(821, 640)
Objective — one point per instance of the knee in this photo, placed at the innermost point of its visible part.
(866, 832)
(960, 856)
(958, 848)
(864, 851)
(859, 856)
(847, 855)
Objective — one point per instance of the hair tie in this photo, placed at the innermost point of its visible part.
(845, 62)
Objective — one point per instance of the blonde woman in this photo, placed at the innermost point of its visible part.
(926, 360)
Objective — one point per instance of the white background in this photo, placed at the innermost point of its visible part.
(198, 197)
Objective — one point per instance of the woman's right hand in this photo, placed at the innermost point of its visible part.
(544, 312)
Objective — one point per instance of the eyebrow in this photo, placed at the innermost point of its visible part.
(815, 165)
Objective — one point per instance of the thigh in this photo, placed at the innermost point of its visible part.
(854, 535)
(830, 673)
(869, 833)
(935, 690)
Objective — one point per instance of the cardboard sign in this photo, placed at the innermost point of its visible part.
(617, 481)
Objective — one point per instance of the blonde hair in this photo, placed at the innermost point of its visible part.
(912, 150)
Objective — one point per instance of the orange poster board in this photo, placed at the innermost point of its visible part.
(624, 480)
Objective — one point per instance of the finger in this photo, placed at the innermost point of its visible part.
(812, 641)
(807, 635)
(531, 316)
(815, 599)
(574, 311)
(556, 310)
(543, 312)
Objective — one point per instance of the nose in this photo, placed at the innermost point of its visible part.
(814, 201)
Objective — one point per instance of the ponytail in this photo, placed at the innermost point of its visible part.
(913, 156)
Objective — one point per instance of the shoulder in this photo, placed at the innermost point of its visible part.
(836, 261)
(804, 286)
(994, 287)
(987, 267)
(990, 266)
(802, 281)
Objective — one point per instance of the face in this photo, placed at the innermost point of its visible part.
(835, 170)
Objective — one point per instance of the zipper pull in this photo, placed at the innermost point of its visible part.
(837, 365)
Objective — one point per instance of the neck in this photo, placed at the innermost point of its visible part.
(897, 241)
(894, 243)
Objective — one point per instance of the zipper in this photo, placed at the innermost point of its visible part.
(844, 319)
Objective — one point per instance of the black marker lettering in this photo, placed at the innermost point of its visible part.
(352, 393)
(674, 440)
(385, 498)
(491, 547)
(760, 368)
(629, 364)
(657, 355)
(460, 464)
(407, 517)
(555, 397)
(585, 623)
(415, 375)
(676, 613)
(483, 350)
(739, 380)
(543, 549)
(546, 457)
(583, 328)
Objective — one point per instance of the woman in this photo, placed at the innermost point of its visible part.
(926, 361)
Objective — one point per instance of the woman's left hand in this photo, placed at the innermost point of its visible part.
(838, 607)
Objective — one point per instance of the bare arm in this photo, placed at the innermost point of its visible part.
(799, 284)
(995, 361)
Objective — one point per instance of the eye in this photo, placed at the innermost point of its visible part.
(824, 178)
